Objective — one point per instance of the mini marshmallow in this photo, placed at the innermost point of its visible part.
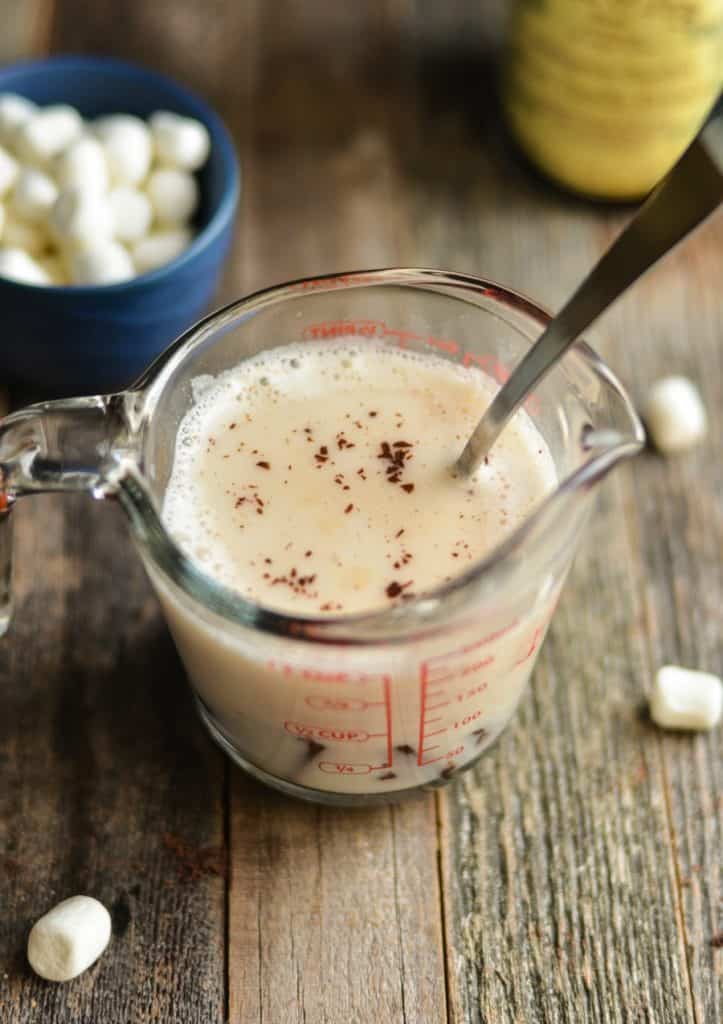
(132, 213)
(103, 262)
(46, 134)
(18, 234)
(17, 265)
(179, 141)
(675, 414)
(33, 195)
(685, 699)
(128, 148)
(83, 165)
(14, 112)
(173, 195)
(9, 171)
(160, 247)
(69, 938)
(80, 217)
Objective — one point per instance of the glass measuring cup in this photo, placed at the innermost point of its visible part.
(356, 708)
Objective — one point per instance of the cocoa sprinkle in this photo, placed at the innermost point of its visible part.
(394, 589)
(396, 454)
(263, 464)
(192, 862)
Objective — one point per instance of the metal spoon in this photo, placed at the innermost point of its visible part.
(690, 192)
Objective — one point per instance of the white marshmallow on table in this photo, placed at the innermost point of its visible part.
(33, 195)
(103, 262)
(159, 248)
(83, 164)
(685, 699)
(9, 170)
(69, 938)
(173, 195)
(81, 217)
(132, 213)
(47, 133)
(14, 111)
(675, 414)
(17, 265)
(18, 234)
(128, 148)
(179, 141)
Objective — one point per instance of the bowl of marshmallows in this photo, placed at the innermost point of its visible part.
(118, 192)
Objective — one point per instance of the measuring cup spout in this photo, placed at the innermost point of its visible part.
(617, 434)
(67, 445)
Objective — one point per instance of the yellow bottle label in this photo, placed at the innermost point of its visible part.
(604, 95)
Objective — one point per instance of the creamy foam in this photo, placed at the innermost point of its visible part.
(316, 479)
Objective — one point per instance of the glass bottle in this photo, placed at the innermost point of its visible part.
(604, 95)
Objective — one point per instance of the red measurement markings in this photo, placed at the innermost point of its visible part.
(352, 693)
(462, 671)
(347, 768)
(361, 328)
(344, 329)
(307, 731)
(489, 638)
(316, 675)
(425, 749)
(444, 700)
(534, 644)
(338, 281)
(322, 703)
(437, 690)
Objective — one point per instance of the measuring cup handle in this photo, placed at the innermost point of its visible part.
(67, 445)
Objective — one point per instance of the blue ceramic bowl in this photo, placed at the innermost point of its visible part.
(84, 340)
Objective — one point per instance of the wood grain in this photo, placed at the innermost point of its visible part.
(108, 785)
(580, 861)
(334, 916)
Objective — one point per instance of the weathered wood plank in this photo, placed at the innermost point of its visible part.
(675, 521)
(333, 915)
(109, 786)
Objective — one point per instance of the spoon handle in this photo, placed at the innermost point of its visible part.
(690, 192)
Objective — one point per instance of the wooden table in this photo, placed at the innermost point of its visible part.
(573, 876)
